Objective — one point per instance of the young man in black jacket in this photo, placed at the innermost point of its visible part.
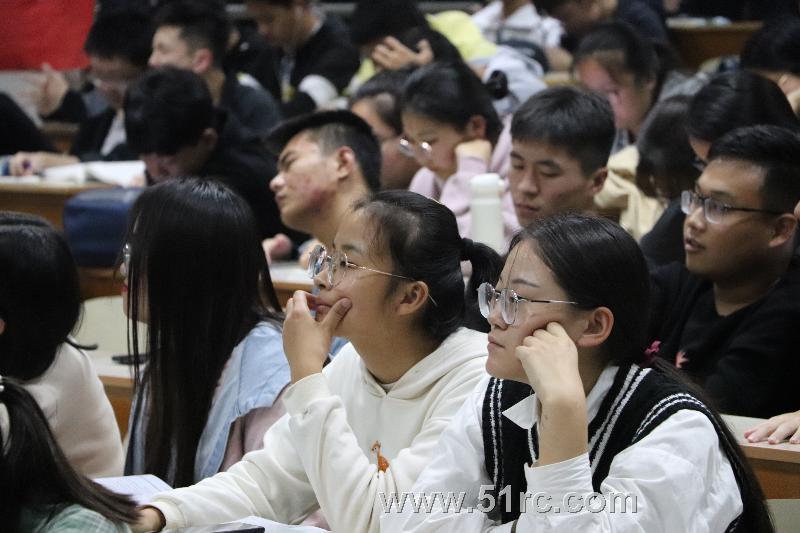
(193, 35)
(173, 126)
(729, 316)
(311, 58)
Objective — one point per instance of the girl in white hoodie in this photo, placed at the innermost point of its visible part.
(365, 426)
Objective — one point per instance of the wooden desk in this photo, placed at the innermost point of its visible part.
(45, 199)
(777, 466)
(117, 381)
(697, 44)
(287, 277)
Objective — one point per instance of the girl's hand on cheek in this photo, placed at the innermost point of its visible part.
(306, 341)
(550, 360)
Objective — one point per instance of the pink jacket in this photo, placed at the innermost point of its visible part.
(454, 192)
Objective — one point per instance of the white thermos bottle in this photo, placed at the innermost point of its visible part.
(486, 208)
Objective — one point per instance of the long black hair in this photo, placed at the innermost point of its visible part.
(34, 473)
(39, 294)
(597, 263)
(199, 277)
(422, 237)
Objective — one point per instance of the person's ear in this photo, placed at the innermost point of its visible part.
(2, 326)
(345, 162)
(476, 127)
(597, 180)
(411, 297)
(202, 61)
(597, 329)
(209, 138)
(783, 230)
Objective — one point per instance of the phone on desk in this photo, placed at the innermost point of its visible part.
(126, 359)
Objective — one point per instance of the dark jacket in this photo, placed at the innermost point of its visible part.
(749, 361)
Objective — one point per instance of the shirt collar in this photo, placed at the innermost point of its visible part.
(525, 413)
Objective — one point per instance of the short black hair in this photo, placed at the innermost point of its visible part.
(385, 88)
(376, 19)
(737, 99)
(576, 120)
(774, 47)
(773, 149)
(122, 33)
(332, 130)
(167, 109)
(203, 24)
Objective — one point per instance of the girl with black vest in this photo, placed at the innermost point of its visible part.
(610, 439)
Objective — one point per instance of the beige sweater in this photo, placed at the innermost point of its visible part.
(80, 415)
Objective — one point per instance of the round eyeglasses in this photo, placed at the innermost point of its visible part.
(714, 211)
(423, 150)
(336, 266)
(509, 302)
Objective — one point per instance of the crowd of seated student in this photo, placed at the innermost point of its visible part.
(575, 316)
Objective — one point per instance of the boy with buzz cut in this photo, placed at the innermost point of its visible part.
(560, 139)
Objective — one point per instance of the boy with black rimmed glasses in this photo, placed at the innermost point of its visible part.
(727, 317)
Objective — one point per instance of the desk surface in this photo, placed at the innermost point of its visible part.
(46, 199)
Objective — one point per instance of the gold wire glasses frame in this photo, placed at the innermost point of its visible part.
(509, 300)
(336, 266)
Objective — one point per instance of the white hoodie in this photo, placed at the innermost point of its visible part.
(319, 455)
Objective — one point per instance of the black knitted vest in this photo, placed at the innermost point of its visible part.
(637, 402)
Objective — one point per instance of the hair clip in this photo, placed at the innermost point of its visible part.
(651, 352)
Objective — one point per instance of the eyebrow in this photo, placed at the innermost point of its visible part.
(351, 248)
(520, 281)
(714, 193)
(284, 157)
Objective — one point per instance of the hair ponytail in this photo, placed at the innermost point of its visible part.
(486, 267)
(497, 85)
(34, 473)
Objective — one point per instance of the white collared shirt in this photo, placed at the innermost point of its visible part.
(679, 476)
(524, 24)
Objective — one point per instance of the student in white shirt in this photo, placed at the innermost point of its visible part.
(367, 424)
(568, 322)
